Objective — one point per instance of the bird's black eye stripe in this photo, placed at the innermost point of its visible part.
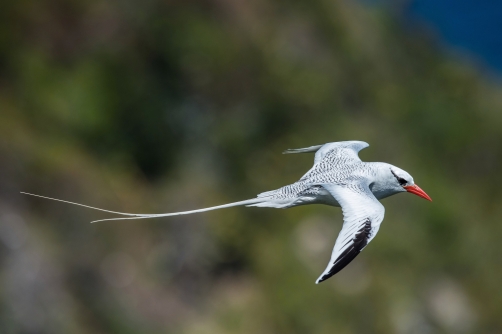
(401, 181)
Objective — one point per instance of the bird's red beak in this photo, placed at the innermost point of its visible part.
(414, 189)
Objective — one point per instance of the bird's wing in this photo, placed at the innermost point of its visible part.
(362, 216)
(349, 148)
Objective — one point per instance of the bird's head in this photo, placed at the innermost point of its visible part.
(402, 181)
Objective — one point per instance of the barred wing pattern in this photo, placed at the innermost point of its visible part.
(363, 214)
(334, 163)
(351, 149)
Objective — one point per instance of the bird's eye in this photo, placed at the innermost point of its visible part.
(401, 181)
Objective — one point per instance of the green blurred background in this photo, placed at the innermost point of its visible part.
(157, 106)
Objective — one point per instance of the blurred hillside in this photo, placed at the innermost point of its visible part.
(159, 106)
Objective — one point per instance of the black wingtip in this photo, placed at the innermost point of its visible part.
(360, 241)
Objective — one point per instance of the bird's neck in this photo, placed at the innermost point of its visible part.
(380, 184)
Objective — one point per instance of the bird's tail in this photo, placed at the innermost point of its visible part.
(262, 202)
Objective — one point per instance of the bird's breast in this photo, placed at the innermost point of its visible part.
(381, 193)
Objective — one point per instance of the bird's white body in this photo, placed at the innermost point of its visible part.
(337, 178)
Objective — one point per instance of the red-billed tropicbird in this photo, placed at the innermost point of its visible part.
(338, 178)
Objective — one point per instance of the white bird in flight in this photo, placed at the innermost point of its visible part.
(338, 178)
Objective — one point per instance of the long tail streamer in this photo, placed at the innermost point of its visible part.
(146, 215)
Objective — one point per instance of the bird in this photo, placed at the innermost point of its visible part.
(338, 178)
